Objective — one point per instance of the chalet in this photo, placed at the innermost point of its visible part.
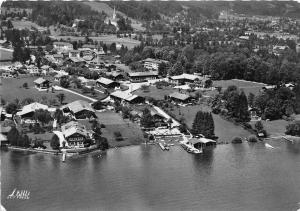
(126, 97)
(159, 120)
(79, 109)
(42, 84)
(116, 76)
(91, 47)
(143, 76)
(107, 83)
(62, 46)
(180, 98)
(58, 58)
(201, 142)
(74, 53)
(75, 134)
(153, 64)
(28, 111)
(75, 60)
(184, 79)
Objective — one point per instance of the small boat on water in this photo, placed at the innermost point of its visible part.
(161, 146)
(269, 146)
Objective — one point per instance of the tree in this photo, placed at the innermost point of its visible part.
(25, 85)
(147, 119)
(259, 126)
(244, 115)
(54, 143)
(251, 98)
(208, 83)
(13, 136)
(60, 117)
(64, 82)
(12, 108)
(61, 97)
(43, 116)
(293, 129)
(203, 124)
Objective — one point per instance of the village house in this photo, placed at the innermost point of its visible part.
(42, 84)
(116, 76)
(153, 64)
(27, 113)
(75, 60)
(62, 46)
(126, 97)
(58, 58)
(180, 98)
(143, 76)
(184, 79)
(75, 134)
(79, 110)
(89, 46)
(107, 83)
(74, 53)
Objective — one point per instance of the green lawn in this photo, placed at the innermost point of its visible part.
(274, 128)
(131, 132)
(11, 88)
(224, 129)
(158, 94)
(247, 86)
(155, 93)
(25, 24)
(107, 39)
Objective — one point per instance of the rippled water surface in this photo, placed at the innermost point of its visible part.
(228, 177)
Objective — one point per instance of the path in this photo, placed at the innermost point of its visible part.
(76, 93)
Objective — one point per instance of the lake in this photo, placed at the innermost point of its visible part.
(228, 177)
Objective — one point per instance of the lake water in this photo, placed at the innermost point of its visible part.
(228, 177)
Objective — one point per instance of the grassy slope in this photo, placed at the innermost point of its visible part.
(103, 7)
(224, 129)
(10, 90)
(131, 132)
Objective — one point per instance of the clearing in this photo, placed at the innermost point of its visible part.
(12, 88)
(247, 86)
(224, 129)
(131, 132)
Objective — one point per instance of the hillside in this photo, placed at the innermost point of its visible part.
(103, 7)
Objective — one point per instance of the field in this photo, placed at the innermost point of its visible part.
(274, 128)
(224, 129)
(26, 24)
(5, 55)
(108, 39)
(155, 93)
(131, 132)
(10, 90)
(247, 86)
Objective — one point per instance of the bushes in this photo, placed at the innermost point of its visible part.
(118, 136)
(236, 140)
(293, 129)
(252, 139)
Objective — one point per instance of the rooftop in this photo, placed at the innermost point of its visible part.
(105, 81)
(179, 96)
(79, 105)
(150, 73)
(186, 76)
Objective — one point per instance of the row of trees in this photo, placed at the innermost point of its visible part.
(233, 102)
